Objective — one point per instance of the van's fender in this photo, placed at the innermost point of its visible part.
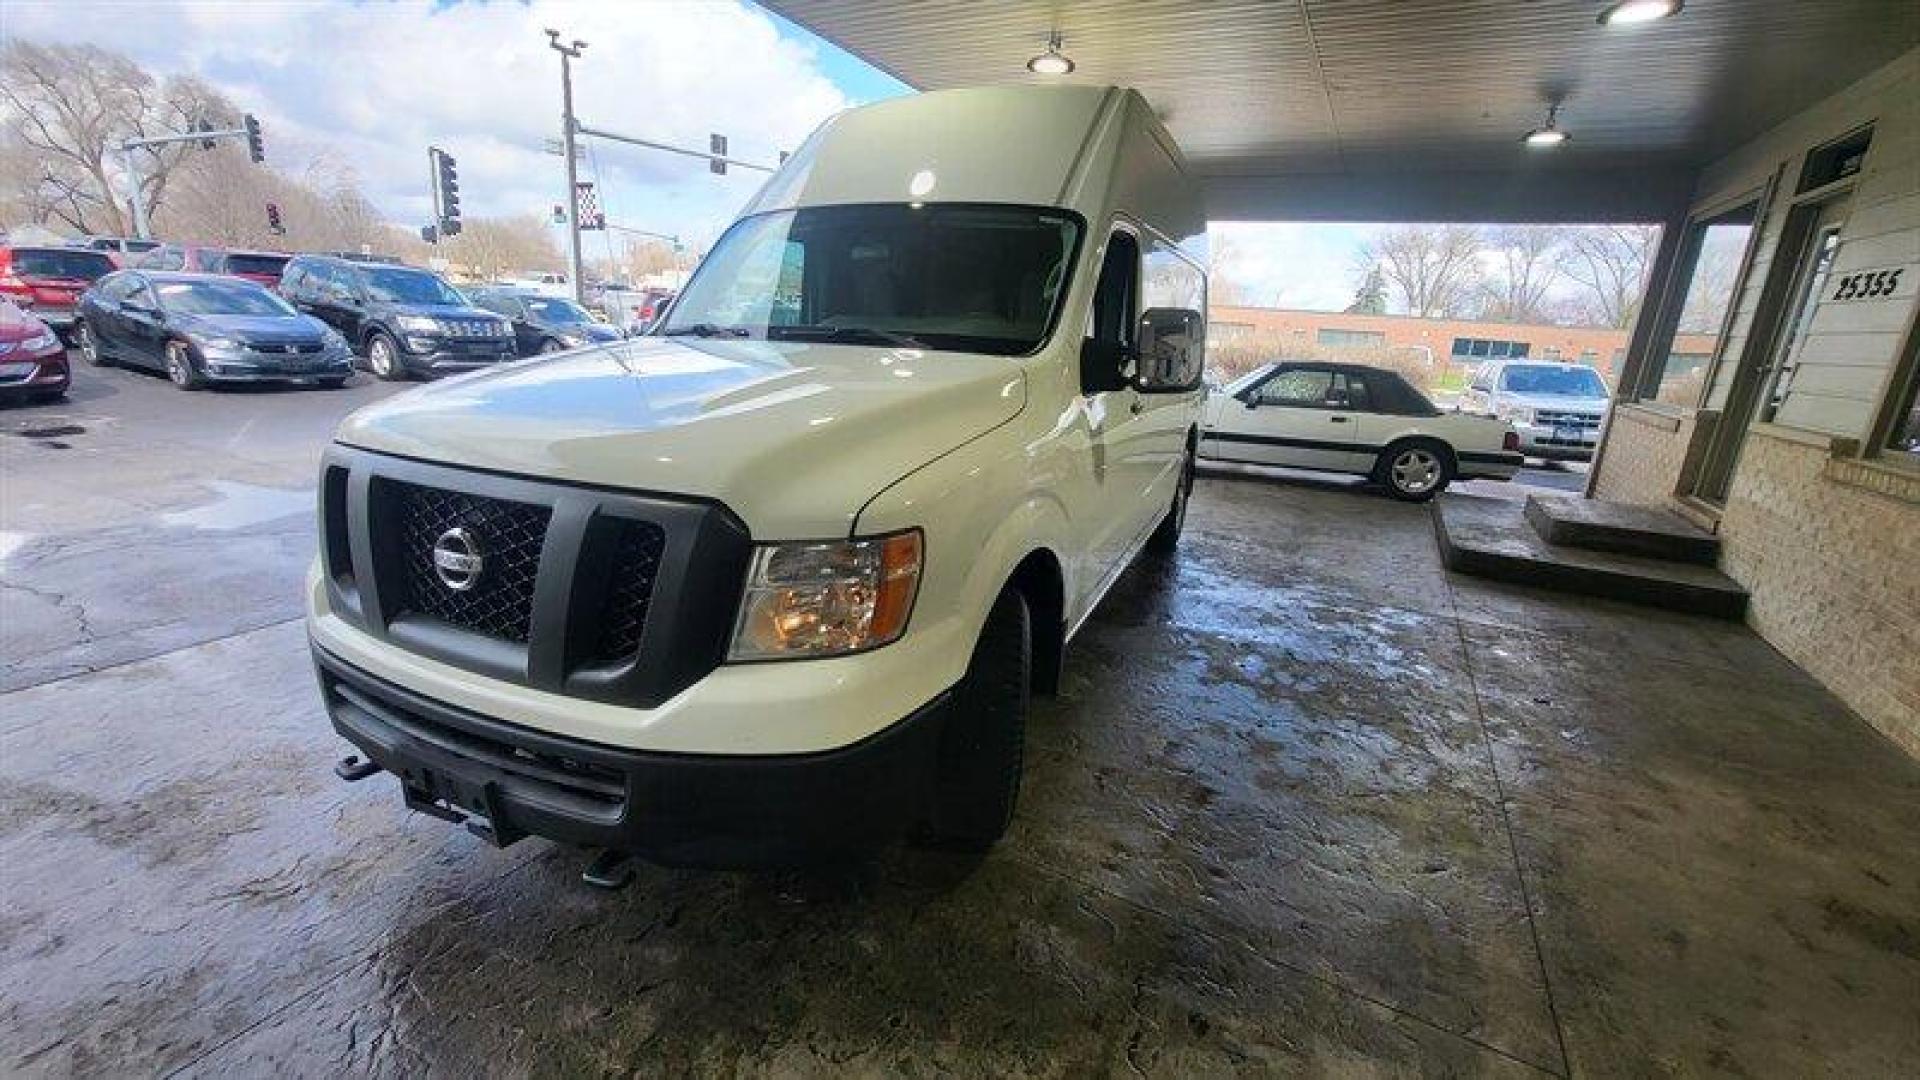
(982, 517)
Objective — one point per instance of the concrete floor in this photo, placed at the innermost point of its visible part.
(1306, 805)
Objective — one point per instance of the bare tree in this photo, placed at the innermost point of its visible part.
(1526, 269)
(497, 247)
(1609, 264)
(1434, 268)
(70, 106)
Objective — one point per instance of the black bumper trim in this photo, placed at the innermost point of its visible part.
(1490, 457)
(709, 810)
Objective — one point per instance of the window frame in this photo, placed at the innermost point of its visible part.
(1679, 282)
(1901, 397)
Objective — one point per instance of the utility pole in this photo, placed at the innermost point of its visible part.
(569, 128)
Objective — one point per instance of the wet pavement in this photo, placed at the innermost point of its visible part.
(1305, 805)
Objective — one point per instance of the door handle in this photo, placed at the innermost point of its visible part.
(1337, 419)
(1137, 407)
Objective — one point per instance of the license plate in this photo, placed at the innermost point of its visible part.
(16, 370)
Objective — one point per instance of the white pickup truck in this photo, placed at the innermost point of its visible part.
(774, 582)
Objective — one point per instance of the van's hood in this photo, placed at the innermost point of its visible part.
(795, 438)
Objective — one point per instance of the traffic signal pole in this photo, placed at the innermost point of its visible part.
(250, 131)
(569, 129)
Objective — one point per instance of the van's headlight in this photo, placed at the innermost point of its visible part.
(417, 324)
(827, 597)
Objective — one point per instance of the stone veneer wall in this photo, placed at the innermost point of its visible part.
(1830, 549)
(1644, 455)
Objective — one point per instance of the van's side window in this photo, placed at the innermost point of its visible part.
(1115, 305)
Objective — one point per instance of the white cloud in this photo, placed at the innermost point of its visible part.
(1301, 265)
(370, 86)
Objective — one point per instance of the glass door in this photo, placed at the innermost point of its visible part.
(1764, 378)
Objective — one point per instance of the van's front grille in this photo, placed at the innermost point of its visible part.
(496, 599)
(600, 594)
(636, 562)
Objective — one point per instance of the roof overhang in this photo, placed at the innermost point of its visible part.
(1400, 110)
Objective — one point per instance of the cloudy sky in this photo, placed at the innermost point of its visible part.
(372, 85)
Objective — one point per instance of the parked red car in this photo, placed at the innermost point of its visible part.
(259, 267)
(33, 363)
(48, 281)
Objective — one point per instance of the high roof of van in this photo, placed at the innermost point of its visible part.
(1027, 145)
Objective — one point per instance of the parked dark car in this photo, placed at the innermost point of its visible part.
(541, 323)
(48, 281)
(201, 329)
(405, 321)
(259, 267)
(33, 362)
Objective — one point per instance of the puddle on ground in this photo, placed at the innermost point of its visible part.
(240, 505)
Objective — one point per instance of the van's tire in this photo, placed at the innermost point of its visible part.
(383, 358)
(1166, 539)
(977, 765)
(552, 345)
(180, 369)
(1414, 470)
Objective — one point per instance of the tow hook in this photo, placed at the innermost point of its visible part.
(351, 768)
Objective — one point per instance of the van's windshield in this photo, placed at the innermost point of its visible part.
(935, 276)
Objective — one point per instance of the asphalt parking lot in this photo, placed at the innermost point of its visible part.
(1306, 804)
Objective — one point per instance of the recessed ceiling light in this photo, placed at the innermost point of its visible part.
(1548, 135)
(1634, 12)
(1053, 61)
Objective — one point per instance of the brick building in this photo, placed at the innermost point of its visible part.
(1459, 340)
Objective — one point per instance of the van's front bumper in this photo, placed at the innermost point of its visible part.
(715, 810)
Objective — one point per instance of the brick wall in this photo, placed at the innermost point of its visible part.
(1644, 455)
(1829, 548)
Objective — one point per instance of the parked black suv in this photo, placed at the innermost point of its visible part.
(404, 320)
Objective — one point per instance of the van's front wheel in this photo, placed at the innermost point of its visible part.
(982, 742)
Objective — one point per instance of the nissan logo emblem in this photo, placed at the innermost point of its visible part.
(457, 561)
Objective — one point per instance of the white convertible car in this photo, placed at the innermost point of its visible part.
(1354, 419)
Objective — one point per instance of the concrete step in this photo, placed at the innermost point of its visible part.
(1492, 538)
(1621, 528)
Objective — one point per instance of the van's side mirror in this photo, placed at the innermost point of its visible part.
(1103, 366)
(1171, 356)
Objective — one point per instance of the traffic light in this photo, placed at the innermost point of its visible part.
(446, 176)
(717, 146)
(202, 125)
(273, 220)
(256, 149)
(430, 233)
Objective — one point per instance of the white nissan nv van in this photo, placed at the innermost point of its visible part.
(774, 582)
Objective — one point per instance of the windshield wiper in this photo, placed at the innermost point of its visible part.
(706, 329)
(861, 335)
